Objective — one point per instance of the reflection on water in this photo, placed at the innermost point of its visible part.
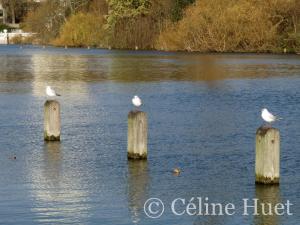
(267, 194)
(53, 163)
(58, 193)
(210, 220)
(57, 65)
(57, 72)
(138, 181)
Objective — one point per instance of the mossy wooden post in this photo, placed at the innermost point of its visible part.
(137, 135)
(52, 120)
(267, 162)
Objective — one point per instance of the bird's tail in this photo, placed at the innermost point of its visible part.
(279, 118)
(58, 94)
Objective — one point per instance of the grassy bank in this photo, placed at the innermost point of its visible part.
(171, 25)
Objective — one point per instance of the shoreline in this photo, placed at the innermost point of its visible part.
(157, 50)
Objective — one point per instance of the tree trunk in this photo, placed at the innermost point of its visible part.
(4, 16)
(13, 16)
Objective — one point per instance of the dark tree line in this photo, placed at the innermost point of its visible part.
(17, 9)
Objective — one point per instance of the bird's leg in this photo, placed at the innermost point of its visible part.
(268, 125)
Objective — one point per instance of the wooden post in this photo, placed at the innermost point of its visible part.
(52, 120)
(137, 135)
(267, 163)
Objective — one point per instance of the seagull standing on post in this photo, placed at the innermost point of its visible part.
(136, 101)
(268, 117)
(50, 92)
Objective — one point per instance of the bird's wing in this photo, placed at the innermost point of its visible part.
(276, 117)
(272, 116)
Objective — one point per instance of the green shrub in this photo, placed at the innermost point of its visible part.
(5, 27)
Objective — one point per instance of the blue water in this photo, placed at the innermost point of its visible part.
(203, 112)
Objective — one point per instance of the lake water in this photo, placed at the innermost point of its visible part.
(203, 112)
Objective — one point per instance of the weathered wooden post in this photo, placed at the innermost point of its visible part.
(52, 120)
(267, 162)
(137, 135)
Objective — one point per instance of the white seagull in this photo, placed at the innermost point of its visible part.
(50, 92)
(268, 117)
(136, 101)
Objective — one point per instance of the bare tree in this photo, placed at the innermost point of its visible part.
(13, 8)
(76, 5)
